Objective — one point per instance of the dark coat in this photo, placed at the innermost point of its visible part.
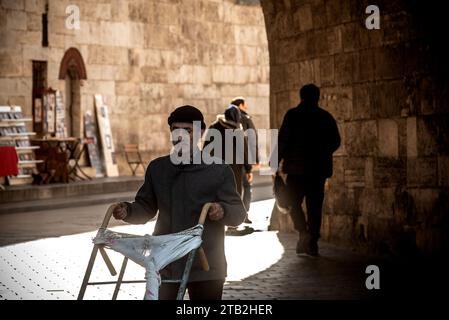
(307, 139)
(178, 192)
(221, 125)
(247, 123)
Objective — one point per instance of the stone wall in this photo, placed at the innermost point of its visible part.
(146, 57)
(388, 91)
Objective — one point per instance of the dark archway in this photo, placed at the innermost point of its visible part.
(390, 187)
(72, 59)
(73, 70)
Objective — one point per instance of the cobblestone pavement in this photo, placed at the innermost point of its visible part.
(261, 265)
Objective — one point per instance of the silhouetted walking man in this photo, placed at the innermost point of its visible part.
(307, 139)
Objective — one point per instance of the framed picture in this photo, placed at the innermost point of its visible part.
(60, 116)
(37, 110)
(50, 111)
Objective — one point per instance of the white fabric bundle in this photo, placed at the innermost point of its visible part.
(152, 252)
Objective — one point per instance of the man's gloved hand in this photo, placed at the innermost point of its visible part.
(120, 211)
(216, 212)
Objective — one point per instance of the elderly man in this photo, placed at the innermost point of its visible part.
(177, 191)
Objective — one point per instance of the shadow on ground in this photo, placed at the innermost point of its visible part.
(338, 274)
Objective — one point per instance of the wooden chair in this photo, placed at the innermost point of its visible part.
(133, 157)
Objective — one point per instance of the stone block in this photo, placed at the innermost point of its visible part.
(422, 172)
(334, 40)
(282, 26)
(333, 12)
(443, 171)
(263, 90)
(362, 103)
(280, 107)
(337, 228)
(246, 55)
(389, 172)
(167, 37)
(364, 66)
(168, 58)
(35, 6)
(338, 101)
(412, 138)
(16, 20)
(101, 86)
(386, 62)
(166, 13)
(388, 138)
(303, 18)
(228, 89)
(317, 44)
(350, 36)
(128, 106)
(223, 74)
(212, 11)
(388, 99)
(263, 74)
(152, 74)
(344, 68)
(306, 72)
(120, 11)
(107, 55)
(361, 138)
(247, 35)
(327, 70)
(141, 11)
(13, 4)
(34, 22)
(182, 75)
(125, 88)
(245, 15)
(318, 14)
(290, 79)
(428, 132)
(196, 54)
(369, 38)
(10, 65)
(397, 28)
(202, 74)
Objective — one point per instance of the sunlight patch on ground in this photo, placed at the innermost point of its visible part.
(53, 268)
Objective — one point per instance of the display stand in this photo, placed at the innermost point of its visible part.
(13, 132)
(108, 150)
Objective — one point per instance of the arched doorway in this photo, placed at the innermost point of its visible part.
(73, 71)
(72, 102)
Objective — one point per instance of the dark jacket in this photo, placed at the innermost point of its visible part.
(247, 123)
(221, 125)
(178, 192)
(307, 139)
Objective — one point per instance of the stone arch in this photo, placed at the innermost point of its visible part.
(72, 59)
(73, 71)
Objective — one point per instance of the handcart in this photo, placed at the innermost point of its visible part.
(101, 247)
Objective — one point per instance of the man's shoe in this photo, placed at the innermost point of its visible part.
(300, 247)
(312, 249)
(303, 243)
